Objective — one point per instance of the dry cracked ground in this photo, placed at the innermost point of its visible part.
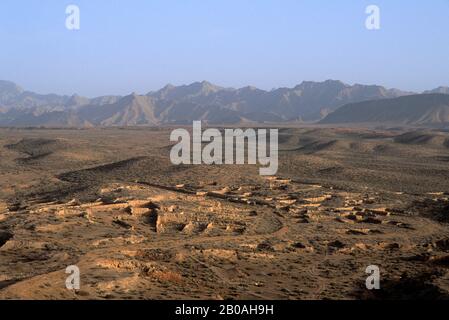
(110, 202)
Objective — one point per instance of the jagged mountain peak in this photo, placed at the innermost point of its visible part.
(8, 90)
(76, 100)
(10, 86)
(204, 87)
(134, 98)
(315, 84)
(249, 89)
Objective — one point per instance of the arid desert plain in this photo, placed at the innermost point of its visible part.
(138, 227)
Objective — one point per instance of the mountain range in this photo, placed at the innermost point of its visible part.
(306, 102)
(429, 109)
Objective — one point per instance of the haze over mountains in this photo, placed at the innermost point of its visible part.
(307, 102)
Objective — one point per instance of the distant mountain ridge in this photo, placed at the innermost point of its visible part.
(308, 101)
(443, 90)
(13, 96)
(430, 109)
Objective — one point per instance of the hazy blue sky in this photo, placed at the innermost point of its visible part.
(140, 45)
